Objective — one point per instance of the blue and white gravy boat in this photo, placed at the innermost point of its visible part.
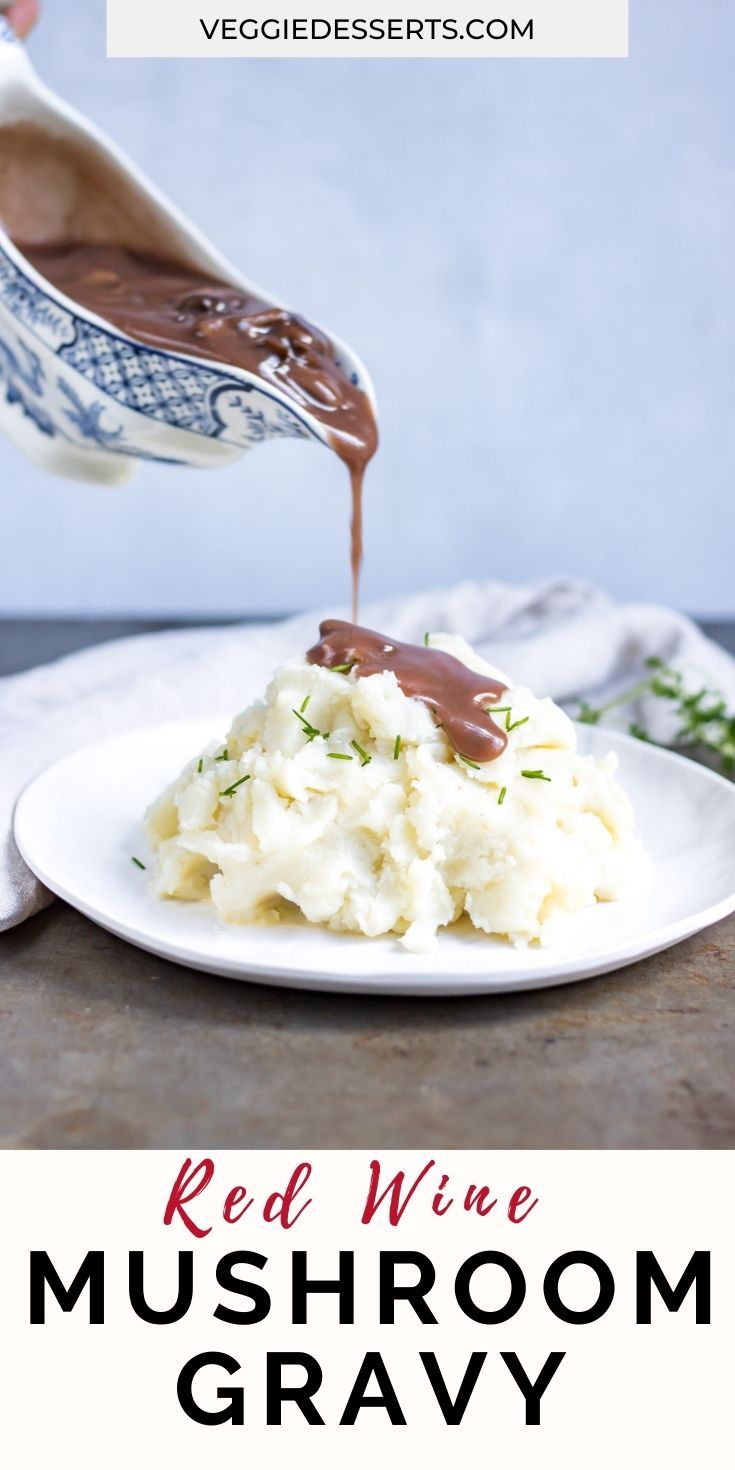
(78, 395)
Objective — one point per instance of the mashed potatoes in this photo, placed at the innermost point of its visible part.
(340, 797)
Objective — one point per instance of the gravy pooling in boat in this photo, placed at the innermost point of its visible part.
(181, 310)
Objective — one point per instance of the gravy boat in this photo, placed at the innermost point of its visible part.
(78, 395)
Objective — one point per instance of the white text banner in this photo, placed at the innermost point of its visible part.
(463, 28)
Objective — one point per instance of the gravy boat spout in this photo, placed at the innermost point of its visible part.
(77, 395)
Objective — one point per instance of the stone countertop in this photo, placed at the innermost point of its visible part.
(106, 1046)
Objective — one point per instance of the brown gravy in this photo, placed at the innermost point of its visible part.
(456, 695)
(182, 310)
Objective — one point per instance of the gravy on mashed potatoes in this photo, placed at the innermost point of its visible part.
(340, 795)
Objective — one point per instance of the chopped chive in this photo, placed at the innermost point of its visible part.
(397, 748)
(498, 709)
(516, 723)
(342, 668)
(426, 640)
(230, 789)
(138, 863)
(468, 762)
(338, 755)
(302, 707)
(501, 797)
(310, 730)
(200, 766)
(535, 776)
(364, 757)
(224, 756)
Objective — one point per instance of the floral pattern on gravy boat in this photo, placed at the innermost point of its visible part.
(80, 397)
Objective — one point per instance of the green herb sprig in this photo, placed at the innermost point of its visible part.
(230, 790)
(310, 730)
(507, 710)
(365, 759)
(704, 722)
(535, 775)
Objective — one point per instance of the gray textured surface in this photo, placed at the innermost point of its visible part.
(105, 1046)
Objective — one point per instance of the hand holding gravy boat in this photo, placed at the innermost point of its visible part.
(125, 335)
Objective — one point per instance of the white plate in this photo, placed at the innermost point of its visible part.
(78, 827)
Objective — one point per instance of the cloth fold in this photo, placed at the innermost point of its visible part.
(562, 637)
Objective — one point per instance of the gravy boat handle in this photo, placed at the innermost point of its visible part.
(14, 59)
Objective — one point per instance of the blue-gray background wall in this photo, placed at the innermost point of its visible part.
(535, 259)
